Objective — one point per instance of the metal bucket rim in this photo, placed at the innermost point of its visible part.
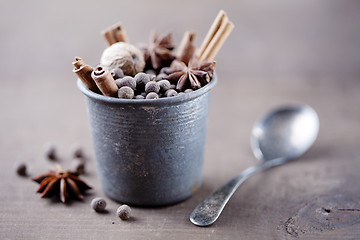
(160, 101)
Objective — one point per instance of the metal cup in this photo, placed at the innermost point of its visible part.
(149, 152)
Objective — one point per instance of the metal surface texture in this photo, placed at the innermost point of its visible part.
(281, 136)
(149, 152)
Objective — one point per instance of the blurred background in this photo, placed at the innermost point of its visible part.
(279, 37)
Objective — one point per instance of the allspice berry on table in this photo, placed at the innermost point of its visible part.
(98, 204)
(77, 151)
(21, 169)
(124, 212)
(78, 165)
(152, 87)
(49, 151)
(126, 81)
(126, 92)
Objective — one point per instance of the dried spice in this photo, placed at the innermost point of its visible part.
(195, 75)
(98, 204)
(21, 169)
(125, 56)
(124, 212)
(188, 68)
(49, 151)
(159, 53)
(64, 184)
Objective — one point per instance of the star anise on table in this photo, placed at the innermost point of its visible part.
(159, 53)
(195, 75)
(65, 184)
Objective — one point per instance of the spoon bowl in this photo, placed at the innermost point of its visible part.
(281, 136)
(286, 132)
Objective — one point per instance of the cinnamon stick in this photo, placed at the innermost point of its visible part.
(215, 38)
(83, 71)
(186, 48)
(105, 81)
(115, 33)
(212, 31)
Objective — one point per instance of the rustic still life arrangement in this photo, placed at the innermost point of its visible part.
(144, 74)
(128, 72)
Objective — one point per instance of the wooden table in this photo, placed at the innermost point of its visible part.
(280, 52)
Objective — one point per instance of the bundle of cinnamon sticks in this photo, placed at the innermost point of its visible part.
(130, 61)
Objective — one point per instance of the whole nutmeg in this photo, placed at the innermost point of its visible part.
(126, 81)
(152, 87)
(124, 212)
(98, 204)
(152, 95)
(126, 92)
(125, 56)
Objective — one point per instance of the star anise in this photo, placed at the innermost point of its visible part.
(159, 53)
(65, 184)
(196, 75)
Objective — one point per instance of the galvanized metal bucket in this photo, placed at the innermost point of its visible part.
(149, 152)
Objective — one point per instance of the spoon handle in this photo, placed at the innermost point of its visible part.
(208, 211)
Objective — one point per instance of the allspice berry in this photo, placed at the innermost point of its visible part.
(77, 151)
(117, 73)
(161, 76)
(98, 204)
(126, 81)
(126, 92)
(21, 169)
(78, 165)
(141, 80)
(124, 212)
(164, 85)
(49, 151)
(171, 93)
(152, 95)
(152, 87)
(139, 97)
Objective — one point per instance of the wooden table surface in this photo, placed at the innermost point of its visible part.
(280, 52)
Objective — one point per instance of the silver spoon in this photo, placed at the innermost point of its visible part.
(281, 136)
